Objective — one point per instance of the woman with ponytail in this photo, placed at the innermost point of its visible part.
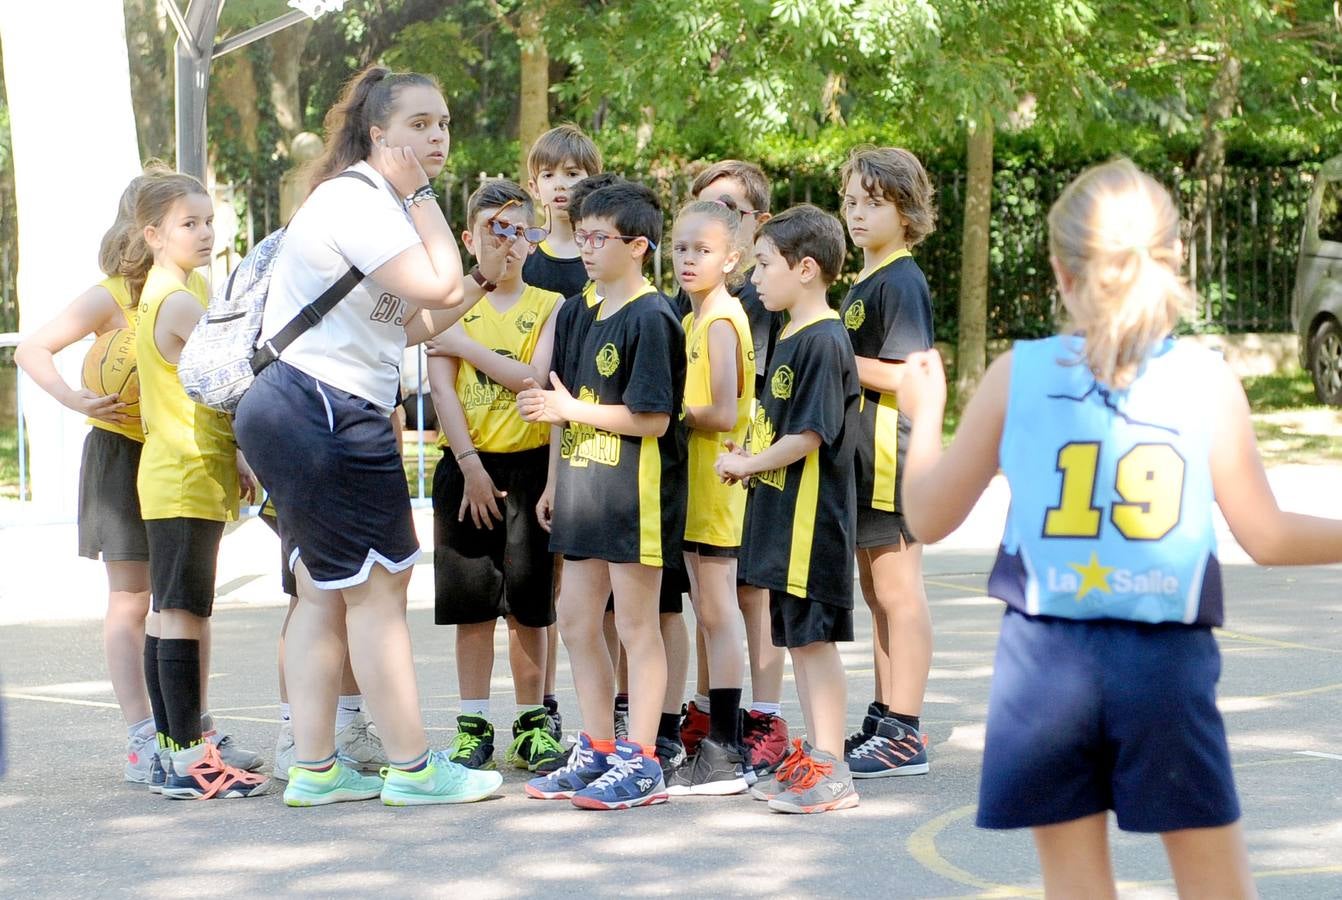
(1116, 440)
(109, 516)
(315, 428)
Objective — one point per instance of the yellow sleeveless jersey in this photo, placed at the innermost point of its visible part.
(491, 409)
(715, 512)
(188, 468)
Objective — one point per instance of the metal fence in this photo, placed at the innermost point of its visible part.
(1240, 251)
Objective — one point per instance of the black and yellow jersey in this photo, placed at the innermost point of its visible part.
(565, 275)
(617, 497)
(801, 519)
(491, 409)
(888, 315)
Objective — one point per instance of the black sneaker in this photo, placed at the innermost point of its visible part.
(555, 719)
(533, 745)
(716, 771)
(670, 754)
(473, 747)
(858, 738)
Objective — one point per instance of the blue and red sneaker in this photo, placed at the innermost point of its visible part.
(585, 765)
(633, 779)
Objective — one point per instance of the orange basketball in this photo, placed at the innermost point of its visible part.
(109, 368)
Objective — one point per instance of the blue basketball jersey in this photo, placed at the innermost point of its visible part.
(1111, 493)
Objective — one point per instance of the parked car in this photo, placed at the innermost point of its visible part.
(1316, 306)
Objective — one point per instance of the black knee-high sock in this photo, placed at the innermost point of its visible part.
(179, 677)
(724, 715)
(156, 704)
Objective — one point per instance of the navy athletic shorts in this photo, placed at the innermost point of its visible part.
(330, 462)
(1088, 716)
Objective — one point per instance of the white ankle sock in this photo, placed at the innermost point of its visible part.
(701, 702)
(284, 711)
(475, 708)
(773, 709)
(347, 708)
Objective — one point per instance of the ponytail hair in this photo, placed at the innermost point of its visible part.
(117, 240)
(1115, 231)
(158, 191)
(723, 211)
(367, 100)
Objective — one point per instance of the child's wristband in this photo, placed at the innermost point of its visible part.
(465, 453)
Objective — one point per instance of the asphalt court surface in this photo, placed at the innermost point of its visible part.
(69, 827)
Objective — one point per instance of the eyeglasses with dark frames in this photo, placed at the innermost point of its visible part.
(598, 239)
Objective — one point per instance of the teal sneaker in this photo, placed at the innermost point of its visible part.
(473, 746)
(441, 781)
(338, 784)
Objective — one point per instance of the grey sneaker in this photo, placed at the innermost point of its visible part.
(822, 783)
(359, 743)
(230, 752)
(140, 751)
(284, 751)
(784, 774)
(715, 771)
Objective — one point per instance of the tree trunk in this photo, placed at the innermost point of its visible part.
(1211, 158)
(149, 41)
(533, 117)
(57, 250)
(288, 53)
(972, 349)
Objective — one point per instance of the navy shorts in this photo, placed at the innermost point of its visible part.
(482, 574)
(330, 462)
(1088, 716)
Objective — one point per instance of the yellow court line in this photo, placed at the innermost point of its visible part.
(922, 846)
(1306, 692)
(1272, 642)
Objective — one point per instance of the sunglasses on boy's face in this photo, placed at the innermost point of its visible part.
(509, 231)
(598, 239)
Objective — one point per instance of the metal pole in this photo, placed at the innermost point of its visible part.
(419, 414)
(193, 80)
(252, 35)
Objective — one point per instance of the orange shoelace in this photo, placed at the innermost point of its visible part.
(227, 776)
(787, 769)
(809, 772)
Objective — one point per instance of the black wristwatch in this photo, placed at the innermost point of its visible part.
(479, 278)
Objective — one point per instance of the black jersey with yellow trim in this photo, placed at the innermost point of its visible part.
(887, 315)
(617, 497)
(801, 526)
(764, 323)
(565, 275)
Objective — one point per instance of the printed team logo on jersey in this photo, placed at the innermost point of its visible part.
(761, 437)
(607, 360)
(582, 444)
(781, 384)
(856, 315)
(488, 393)
(526, 322)
(1096, 578)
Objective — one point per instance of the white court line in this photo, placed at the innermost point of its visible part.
(1317, 753)
(11, 695)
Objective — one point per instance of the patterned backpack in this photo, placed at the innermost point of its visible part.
(221, 358)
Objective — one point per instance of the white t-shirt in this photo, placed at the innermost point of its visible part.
(357, 346)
